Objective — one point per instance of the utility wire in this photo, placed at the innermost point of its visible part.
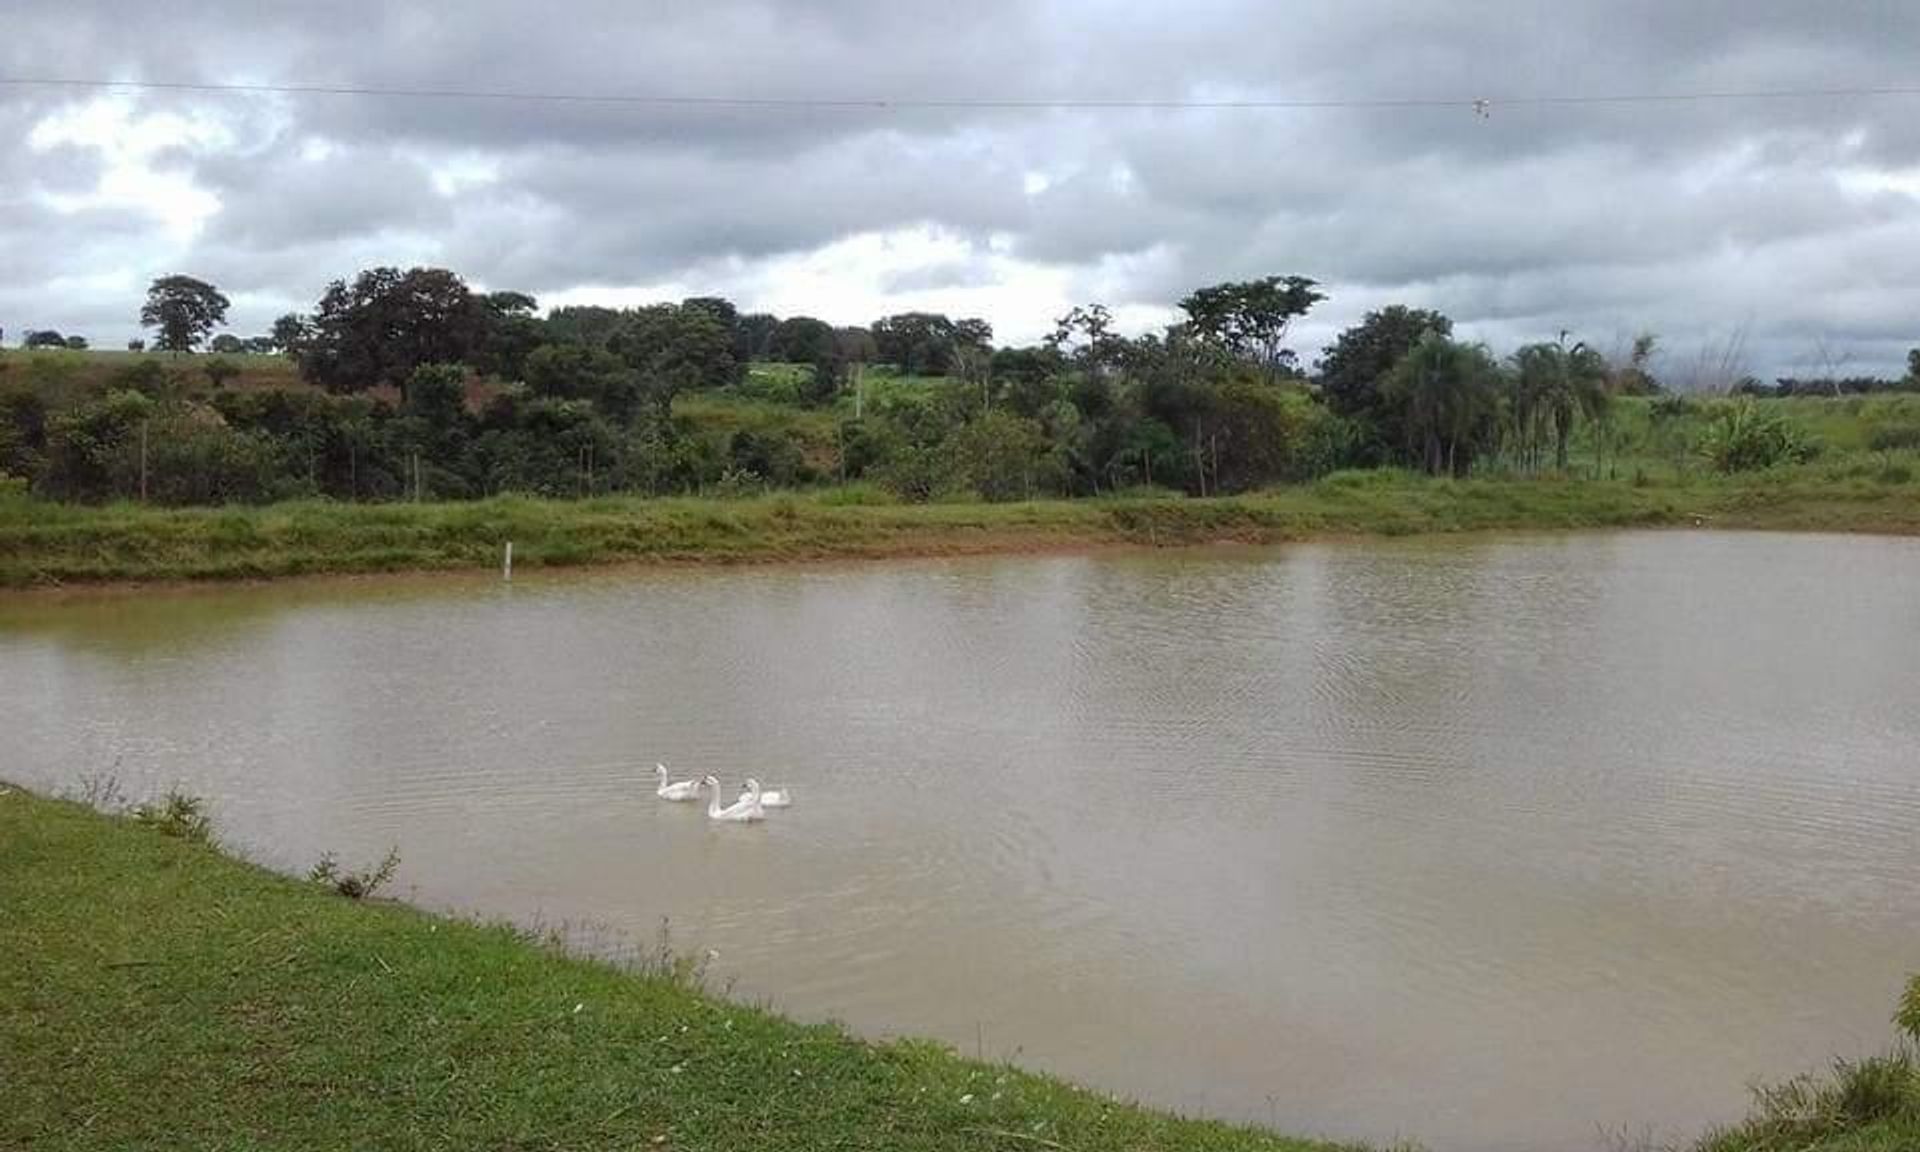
(1481, 105)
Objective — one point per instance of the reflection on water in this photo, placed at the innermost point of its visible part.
(1492, 842)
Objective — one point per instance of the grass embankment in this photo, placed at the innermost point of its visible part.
(157, 994)
(51, 544)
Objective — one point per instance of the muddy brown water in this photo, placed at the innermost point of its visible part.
(1499, 843)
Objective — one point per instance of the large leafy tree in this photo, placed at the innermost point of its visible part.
(928, 343)
(290, 334)
(752, 335)
(1353, 371)
(508, 330)
(583, 324)
(578, 372)
(803, 340)
(673, 348)
(1250, 318)
(722, 310)
(184, 310)
(387, 323)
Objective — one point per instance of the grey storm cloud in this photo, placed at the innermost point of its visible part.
(1791, 221)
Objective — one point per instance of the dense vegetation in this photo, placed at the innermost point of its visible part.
(407, 385)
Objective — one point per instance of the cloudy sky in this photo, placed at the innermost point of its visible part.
(1790, 225)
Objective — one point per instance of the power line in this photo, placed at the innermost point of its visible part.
(1481, 105)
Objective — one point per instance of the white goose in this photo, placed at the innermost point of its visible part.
(769, 797)
(684, 790)
(745, 809)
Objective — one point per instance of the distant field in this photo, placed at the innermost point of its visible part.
(66, 375)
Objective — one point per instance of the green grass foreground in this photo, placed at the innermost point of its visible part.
(157, 994)
(44, 544)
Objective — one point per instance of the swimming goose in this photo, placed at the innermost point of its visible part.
(684, 790)
(769, 797)
(740, 811)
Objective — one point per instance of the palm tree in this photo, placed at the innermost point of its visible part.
(1451, 392)
(1554, 386)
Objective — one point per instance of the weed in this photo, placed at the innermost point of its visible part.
(177, 814)
(354, 885)
(101, 792)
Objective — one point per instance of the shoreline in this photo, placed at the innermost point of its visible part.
(59, 549)
(273, 1011)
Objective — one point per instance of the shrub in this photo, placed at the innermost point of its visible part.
(355, 885)
(1744, 437)
(1908, 1017)
(177, 814)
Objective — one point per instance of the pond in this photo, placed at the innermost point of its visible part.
(1496, 842)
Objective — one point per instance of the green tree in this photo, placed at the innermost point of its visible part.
(290, 334)
(226, 344)
(1554, 386)
(926, 343)
(723, 311)
(92, 449)
(1000, 456)
(753, 336)
(856, 345)
(674, 349)
(1084, 338)
(508, 330)
(802, 340)
(386, 324)
(577, 372)
(77, 343)
(1250, 318)
(583, 324)
(184, 310)
(1354, 368)
(1451, 393)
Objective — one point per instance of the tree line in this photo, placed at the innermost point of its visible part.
(425, 387)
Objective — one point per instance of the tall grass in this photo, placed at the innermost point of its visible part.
(44, 544)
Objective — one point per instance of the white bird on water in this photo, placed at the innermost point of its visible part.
(684, 790)
(745, 809)
(769, 797)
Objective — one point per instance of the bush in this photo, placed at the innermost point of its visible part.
(354, 885)
(1744, 437)
(177, 814)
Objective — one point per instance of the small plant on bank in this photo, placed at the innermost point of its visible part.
(665, 962)
(102, 793)
(354, 885)
(1908, 1017)
(177, 814)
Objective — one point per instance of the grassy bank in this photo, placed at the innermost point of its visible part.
(157, 994)
(45, 544)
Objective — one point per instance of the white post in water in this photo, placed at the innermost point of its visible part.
(506, 568)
